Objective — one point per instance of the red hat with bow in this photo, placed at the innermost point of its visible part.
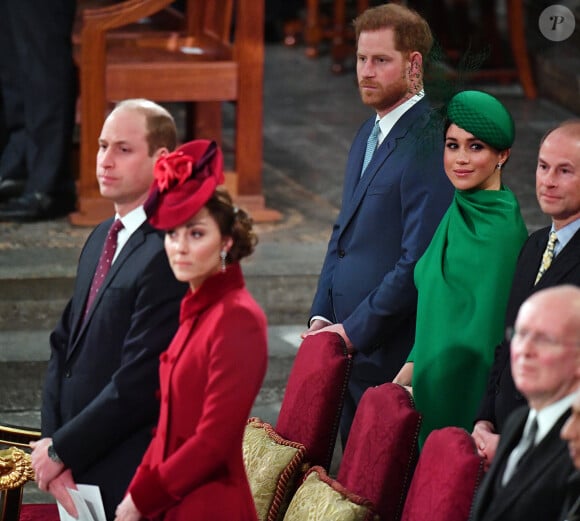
(184, 181)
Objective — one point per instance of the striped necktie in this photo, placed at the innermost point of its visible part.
(371, 146)
(547, 256)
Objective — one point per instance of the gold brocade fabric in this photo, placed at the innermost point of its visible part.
(15, 468)
(316, 500)
(272, 466)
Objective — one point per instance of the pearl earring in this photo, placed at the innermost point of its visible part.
(223, 255)
(498, 166)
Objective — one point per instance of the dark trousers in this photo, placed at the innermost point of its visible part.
(38, 84)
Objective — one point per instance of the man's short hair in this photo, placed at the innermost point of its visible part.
(161, 129)
(412, 32)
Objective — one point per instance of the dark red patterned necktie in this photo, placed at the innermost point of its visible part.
(105, 262)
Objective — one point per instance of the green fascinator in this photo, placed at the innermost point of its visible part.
(483, 116)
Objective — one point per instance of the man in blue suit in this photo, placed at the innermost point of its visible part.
(99, 404)
(390, 208)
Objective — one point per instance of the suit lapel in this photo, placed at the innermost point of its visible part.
(486, 492)
(565, 261)
(135, 240)
(358, 186)
(531, 470)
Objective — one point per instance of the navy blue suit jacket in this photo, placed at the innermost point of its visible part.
(99, 403)
(386, 221)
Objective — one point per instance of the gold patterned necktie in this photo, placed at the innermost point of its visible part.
(547, 256)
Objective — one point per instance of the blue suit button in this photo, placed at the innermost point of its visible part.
(341, 254)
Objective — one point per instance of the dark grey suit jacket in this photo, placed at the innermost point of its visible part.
(538, 488)
(501, 396)
(99, 401)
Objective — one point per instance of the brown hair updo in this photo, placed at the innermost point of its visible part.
(233, 222)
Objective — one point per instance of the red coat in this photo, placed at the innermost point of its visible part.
(210, 376)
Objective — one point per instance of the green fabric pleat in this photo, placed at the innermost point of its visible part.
(463, 280)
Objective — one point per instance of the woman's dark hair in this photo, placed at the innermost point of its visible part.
(233, 222)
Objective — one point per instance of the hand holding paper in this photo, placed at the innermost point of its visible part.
(87, 503)
(59, 488)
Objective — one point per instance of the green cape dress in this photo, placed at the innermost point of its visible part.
(463, 281)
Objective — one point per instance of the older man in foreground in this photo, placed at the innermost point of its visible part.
(528, 478)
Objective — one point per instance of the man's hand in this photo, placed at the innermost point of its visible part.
(333, 328)
(127, 511)
(315, 325)
(486, 441)
(45, 469)
(58, 489)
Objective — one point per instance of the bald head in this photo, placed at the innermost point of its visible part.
(545, 348)
(558, 173)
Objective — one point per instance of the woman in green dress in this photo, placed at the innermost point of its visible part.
(464, 277)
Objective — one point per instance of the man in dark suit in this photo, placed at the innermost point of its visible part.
(38, 84)
(528, 478)
(99, 401)
(390, 208)
(558, 193)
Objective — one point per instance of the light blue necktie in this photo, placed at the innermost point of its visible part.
(371, 146)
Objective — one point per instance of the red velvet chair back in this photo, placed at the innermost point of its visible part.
(446, 478)
(312, 403)
(381, 451)
(40, 512)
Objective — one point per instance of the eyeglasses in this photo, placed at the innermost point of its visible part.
(540, 340)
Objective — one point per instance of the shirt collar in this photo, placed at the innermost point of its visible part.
(132, 220)
(387, 122)
(548, 416)
(565, 234)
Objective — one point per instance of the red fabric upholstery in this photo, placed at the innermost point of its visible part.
(312, 403)
(446, 478)
(39, 512)
(381, 451)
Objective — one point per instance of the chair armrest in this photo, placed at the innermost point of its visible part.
(123, 13)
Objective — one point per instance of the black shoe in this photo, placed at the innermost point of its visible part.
(35, 207)
(10, 188)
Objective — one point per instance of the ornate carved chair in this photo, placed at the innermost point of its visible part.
(15, 472)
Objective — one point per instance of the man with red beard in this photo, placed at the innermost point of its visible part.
(395, 193)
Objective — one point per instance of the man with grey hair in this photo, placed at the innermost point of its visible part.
(529, 474)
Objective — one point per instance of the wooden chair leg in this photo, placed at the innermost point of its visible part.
(313, 29)
(519, 48)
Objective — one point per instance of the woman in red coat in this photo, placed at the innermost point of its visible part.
(213, 369)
